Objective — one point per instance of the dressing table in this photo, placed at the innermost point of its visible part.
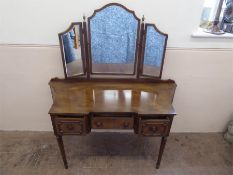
(113, 66)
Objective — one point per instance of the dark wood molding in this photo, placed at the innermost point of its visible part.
(87, 68)
(121, 80)
(140, 55)
(114, 4)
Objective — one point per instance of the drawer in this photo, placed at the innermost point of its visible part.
(99, 122)
(154, 127)
(70, 126)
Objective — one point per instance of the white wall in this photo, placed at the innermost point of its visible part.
(39, 21)
(203, 100)
(203, 97)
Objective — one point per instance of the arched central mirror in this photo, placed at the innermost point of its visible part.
(113, 35)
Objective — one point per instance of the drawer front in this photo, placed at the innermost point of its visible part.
(154, 127)
(112, 122)
(70, 126)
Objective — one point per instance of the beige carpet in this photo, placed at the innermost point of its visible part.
(37, 153)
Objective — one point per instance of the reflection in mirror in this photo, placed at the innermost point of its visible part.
(155, 45)
(72, 50)
(113, 32)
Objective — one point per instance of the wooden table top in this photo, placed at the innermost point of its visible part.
(84, 97)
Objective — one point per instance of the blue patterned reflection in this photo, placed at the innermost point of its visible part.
(68, 41)
(113, 36)
(154, 48)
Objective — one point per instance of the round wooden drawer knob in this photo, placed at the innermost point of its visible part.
(153, 129)
(70, 127)
(99, 124)
(126, 124)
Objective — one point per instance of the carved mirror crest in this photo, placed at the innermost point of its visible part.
(113, 32)
(154, 51)
(71, 42)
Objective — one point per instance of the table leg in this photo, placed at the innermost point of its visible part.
(161, 149)
(62, 150)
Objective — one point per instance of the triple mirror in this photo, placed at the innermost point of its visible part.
(114, 42)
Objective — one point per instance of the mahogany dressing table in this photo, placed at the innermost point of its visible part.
(113, 67)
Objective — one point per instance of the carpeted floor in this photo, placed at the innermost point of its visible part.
(37, 153)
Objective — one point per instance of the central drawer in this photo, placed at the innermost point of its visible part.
(111, 122)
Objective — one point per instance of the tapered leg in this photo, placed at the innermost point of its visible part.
(62, 150)
(161, 149)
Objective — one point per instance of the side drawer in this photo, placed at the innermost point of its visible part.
(116, 122)
(154, 127)
(71, 126)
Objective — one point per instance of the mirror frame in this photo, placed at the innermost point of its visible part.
(136, 58)
(82, 44)
(85, 42)
(144, 47)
